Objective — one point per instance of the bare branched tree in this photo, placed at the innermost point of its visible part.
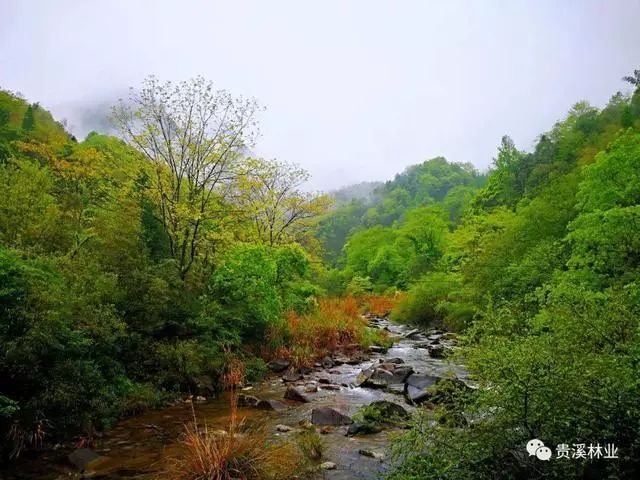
(194, 136)
(279, 209)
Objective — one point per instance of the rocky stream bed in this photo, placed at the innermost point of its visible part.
(327, 396)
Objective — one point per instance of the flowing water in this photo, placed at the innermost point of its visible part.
(136, 447)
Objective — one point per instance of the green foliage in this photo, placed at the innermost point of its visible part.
(311, 445)
(546, 260)
(114, 295)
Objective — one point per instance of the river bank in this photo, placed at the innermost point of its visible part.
(137, 447)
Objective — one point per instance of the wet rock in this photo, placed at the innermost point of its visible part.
(395, 360)
(296, 395)
(330, 386)
(200, 398)
(328, 466)
(291, 377)
(271, 405)
(389, 367)
(358, 357)
(82, 457)
(416, 387)
(335, 371)
(324, 380)
(397, 388)
(340, 360)
(415, 333)
(363, 428)
(371, 454)
(382, 378)
(390, 410)
(247, 400)
(311, 388)
(329, 416)
(377, 349)
(422, 345)
(279, 365)
(283, 428)
(363, 376)
(327, 362)
(438, 351)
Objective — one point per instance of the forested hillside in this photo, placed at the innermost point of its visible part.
(542, 276)
(139, 268)
(131, 267)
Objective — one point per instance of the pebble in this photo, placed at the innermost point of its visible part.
(328, 466)
(371, 454)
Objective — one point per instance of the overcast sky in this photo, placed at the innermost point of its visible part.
(354, 90)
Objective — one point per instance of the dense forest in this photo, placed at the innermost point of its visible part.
(137, 268)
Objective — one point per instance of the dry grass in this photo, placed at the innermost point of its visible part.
(337, 324)
(379, 305)
(237, 453)
(241, 455)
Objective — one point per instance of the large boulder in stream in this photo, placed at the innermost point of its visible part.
(296, 395)
(329, 416)
(416, 387)
(383, 375)
(279, 365)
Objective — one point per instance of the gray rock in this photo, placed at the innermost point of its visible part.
(283, 428)
(275, 405)
(247, 400)
(413, 333)
(340, 360)
(363, 428)
(396, 360)
(363, 376)
(390, 410)
(330, 386)
(382, 378)
(377, 349)
(328, 466)
(397, 388)
(296, 395)
(371, 454)
(327, 362)
(416, 387)
(279, 365)
(437, 351)
(291, 377)
(329, 416)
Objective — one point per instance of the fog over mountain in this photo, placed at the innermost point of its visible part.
(354, 90)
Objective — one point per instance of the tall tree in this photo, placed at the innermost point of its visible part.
(195, 137)
(28, 122)
(279, 210)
